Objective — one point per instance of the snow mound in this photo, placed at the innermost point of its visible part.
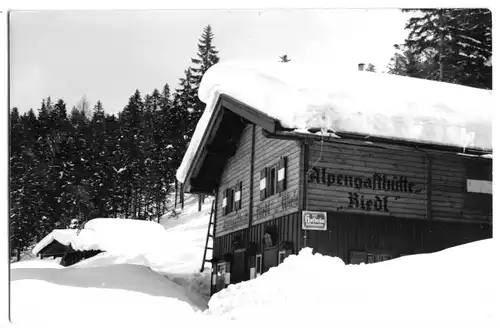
(118, 293)
(45, 263)
(305, 96)
(454, 284)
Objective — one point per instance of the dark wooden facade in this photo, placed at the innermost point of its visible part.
(383, 198)
(68, 255)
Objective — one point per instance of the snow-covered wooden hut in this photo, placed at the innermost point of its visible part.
(115, 236)
(354, 164)
(59, 244)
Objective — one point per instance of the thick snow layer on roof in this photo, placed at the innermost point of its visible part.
(341, 100)
(200, 130)
(455, 284)
(64, 236)
(111, 235)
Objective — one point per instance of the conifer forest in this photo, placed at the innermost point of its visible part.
(69, 163)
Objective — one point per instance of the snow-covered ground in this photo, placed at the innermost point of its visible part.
(455, 285)
(141, 278)
(160, 287)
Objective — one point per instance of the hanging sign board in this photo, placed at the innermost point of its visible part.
(314, 220)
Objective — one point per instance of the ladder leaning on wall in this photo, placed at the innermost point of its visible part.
(210, 235)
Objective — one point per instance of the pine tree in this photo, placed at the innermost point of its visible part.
(458, 40)
(284, 59)
(371, 68)
(207, 56)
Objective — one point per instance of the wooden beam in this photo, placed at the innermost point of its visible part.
(249, 113)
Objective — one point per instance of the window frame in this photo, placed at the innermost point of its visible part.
(272, 182)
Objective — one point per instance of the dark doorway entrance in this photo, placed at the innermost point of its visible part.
(270, 258)
(239, 273)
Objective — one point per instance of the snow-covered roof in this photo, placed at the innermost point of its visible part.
(304, 96)
(107, 234)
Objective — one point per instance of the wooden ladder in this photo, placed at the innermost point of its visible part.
(210, 234)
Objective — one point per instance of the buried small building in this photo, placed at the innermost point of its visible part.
(282, 184)
(58, 244)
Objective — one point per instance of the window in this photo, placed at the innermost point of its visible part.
(273, 179)
(357, 257)
(231, 198)
(230, 202)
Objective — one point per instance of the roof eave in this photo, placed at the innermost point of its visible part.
(225, 102)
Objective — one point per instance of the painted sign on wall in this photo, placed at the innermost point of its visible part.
(240, 219)
(285, 201)
(376, 182)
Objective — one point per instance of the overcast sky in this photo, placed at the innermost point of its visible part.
(106, 55)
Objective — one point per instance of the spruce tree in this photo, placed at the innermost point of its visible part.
(207, 56)
(284, 59)
(458, 40)
(371, 68)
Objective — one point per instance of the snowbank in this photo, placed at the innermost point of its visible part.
(117, 293)
(45, 263)
(303, 97)
(455, 284)
(118, 236)
(174, 247)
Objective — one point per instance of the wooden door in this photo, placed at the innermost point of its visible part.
(239, 273)
(270, 258)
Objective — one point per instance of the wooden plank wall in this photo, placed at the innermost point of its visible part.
(449, 187)
(237, 169)
(440, 178)
(225, 244)
(267, 153)
(389, 235)
(289, 229)
(361, 163)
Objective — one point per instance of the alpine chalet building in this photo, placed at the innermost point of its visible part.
(363, 166)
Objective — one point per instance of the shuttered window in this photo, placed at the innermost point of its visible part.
(271, 182)
(231, 198)
(224, 202)
(273, 179)
(263, 184)
(281, 175)
(237, 195)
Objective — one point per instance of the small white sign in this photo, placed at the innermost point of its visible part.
(314, 220)
(237, 196)
(252, 273)
(479, 186)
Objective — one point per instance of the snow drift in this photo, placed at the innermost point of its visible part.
(303, 97)
(116, 292)
(454, 284)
